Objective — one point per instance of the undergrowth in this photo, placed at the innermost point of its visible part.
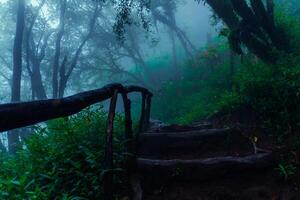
(61, 160)
(217, 83)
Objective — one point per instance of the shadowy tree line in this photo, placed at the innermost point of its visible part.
(62, 45)
(251, 24)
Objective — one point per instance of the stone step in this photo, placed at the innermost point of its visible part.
(179, 128)
(199, 143)
(203, 169)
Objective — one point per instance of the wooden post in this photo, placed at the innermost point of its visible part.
(142, 118)
(130, 142)
(108, 162)
(128, 124)
(148, 111)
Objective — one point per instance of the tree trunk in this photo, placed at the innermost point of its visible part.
(65, 74)
(39, 89)
(13, 136)
(62, 78)
(34, 56)
(17, 53)
(57, 49)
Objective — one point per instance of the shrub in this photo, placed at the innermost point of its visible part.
(63, 160)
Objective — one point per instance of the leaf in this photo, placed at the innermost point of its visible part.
(15, 182)
(29, 184)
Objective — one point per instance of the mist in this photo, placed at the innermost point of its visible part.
(149, 99)
(191, 17)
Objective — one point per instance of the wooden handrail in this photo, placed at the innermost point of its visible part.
(17, 115)
(108, 159)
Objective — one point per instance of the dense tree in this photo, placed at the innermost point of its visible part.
(56, 60)
(252, 25)
(17, 68)
(35, 53)
(17, 52)
(67, 46)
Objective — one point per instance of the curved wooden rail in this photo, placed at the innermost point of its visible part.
(17, 115)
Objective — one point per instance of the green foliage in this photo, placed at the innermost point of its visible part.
(292, 7)
(273, 92)
(63, 160)
(286, 170)
(211, 86)
(289, 25)
(287, 167)
(203, 89)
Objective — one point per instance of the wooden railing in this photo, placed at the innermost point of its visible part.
(17, 115)
(108, 185)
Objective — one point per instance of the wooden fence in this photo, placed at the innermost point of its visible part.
(17, 115)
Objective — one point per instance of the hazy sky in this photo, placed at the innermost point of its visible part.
(194, 19)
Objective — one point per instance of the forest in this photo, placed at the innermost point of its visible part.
(150, 99)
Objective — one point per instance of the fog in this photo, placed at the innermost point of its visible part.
(72, 46)
(192, 17)
(102, 58)
(149, 99)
